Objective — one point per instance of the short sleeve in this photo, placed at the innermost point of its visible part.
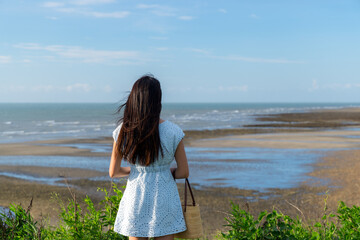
(178, 136)
(116, 132)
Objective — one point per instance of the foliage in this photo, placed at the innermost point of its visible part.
(18, 224)
(75, 223)
(242, 225)
(349, 219)
(97, 222)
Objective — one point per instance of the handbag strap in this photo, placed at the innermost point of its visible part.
(187, 184)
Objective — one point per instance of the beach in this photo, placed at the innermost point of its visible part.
(316, 154)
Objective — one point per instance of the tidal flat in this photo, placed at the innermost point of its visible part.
(265, 166)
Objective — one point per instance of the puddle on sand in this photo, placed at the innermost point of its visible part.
(93, 147)
(45, 180)
(251, 168)
(244, 168)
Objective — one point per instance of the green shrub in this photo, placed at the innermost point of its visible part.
(89, 223)
(18, 224)
(344, 225)
(349, 219)
(271, 225)
(74, 224)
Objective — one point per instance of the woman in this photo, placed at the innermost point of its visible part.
(150, 206)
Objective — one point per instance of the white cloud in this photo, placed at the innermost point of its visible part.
(314, 85)
(67, 10)
(122, 14)
(155, 7)
(43, 88)
(222, 10)
(5, 59)
(186, 18)
(159, 10)
(199, 50)
(164, 11)
(13, 88)
(256, 60)
(147, 6)
(52, 18)
(85, 55)
(107, 88)
(254, 16)
(76, 2)
(339, 86)
(332, 86)
(53, 4)
(78, 87)
(91, 2)
(60, 7)
(89, 55)
(208, 54)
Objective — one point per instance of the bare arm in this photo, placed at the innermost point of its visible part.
(182, 170)
(115, 169)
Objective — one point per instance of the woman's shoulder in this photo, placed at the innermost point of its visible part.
(116, 132)
(170, 127)
(172, 134)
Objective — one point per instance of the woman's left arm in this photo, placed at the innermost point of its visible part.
(115, 169)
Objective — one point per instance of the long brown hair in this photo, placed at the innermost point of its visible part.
(139, 139)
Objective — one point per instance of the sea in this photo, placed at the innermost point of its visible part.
(21, 122)
(258, 169)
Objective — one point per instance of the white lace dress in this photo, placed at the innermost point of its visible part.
(150, 206)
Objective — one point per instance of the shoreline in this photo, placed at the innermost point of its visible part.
(282, 123)
(214, 201)
(338, 167)
(308, 139)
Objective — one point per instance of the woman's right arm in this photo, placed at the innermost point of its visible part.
(182, 170)
(115, 169)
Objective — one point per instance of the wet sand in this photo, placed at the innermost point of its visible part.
(214, 202)
(49, 172)
(290, 139)
(297, 140)
(331, 118)
(49, 148)
(337, 171)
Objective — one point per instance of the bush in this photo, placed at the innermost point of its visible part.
(271, 225)
(90, 223)
(75, 223)
(274, 225)
(18, 224)
(349, 219)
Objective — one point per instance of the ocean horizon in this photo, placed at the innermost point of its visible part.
(48, 121)
(43, 121)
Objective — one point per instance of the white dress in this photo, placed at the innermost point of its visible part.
(150, 206)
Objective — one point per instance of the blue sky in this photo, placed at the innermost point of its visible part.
(201, 51)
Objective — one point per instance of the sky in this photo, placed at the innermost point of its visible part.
(201, 51)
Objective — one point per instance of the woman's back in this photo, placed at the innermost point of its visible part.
(150, 206)
(170, 136)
